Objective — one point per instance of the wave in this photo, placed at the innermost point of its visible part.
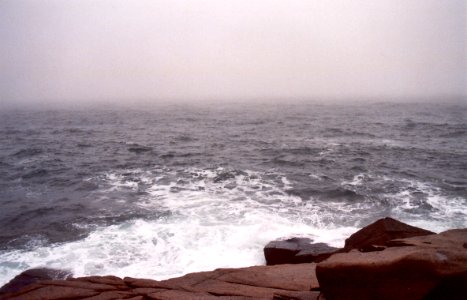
(178, 191)
(284, 160)
(28, 152)
(138, 149)
(340, 132)
(184, 138)
(35, 173)
(454, 134)
(332, 194)
(183, 214)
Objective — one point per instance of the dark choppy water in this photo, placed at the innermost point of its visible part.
(153, 193)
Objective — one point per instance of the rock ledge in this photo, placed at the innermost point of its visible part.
(385, 260)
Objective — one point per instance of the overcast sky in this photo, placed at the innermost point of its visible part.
(85, 51)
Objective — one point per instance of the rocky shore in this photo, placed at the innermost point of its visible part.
(385, 260)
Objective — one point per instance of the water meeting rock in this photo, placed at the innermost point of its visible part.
(296, 251)
(31, 276)
(258, 282)
(424, 267)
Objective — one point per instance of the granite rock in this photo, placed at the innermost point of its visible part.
(378, 233)
(296, 251)
(412, 268)
(258, 282)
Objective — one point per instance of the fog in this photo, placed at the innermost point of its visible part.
(150, 51)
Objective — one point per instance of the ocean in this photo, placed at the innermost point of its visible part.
(160, 192)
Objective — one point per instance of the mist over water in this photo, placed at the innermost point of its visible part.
(117, 51)
(153, 193)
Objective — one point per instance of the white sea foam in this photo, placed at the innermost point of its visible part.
(315, 176)
(216, 220)
(357, 180)
(211, 225)
(415, 202)
(444, 212)
(165, 249)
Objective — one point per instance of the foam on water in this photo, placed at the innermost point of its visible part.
(219, 218)
(412, 201)
(319, 172)
(163, 249)
(436, 211)
(357, 180)
(210, 226)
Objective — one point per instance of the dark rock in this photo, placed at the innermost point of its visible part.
(283, 252)
(380, 232)
(425, 267)
(31, 276)
(315, 253)
(296, 251)
(450, 288)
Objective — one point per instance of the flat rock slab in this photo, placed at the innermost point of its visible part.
(296, 277)
(258, 282)
(52, 292)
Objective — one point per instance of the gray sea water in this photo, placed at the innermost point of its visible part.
(174, 189)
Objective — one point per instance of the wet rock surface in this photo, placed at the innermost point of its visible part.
(296, 251)
(31, 276)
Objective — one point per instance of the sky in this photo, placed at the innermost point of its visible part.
(145, 51)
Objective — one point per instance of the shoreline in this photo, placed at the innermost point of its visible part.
(386, 259)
